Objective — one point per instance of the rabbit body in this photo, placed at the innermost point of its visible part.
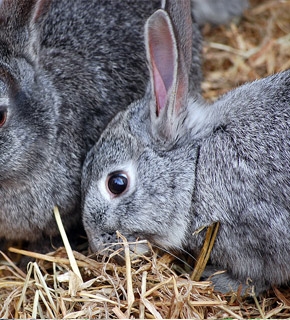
(172, 164)
(65, 69)
(242, 180)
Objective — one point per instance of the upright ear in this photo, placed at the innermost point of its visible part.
(169, 62)
(19, 22)
(180, 16)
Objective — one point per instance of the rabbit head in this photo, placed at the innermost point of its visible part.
(135, 188)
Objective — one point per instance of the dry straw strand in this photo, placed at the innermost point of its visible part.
(69, 251)
(204, 255)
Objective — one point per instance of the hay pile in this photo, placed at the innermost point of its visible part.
(151, 287)
(253, 48)
(63, 284)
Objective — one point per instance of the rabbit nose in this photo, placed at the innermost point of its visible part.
(108, 238)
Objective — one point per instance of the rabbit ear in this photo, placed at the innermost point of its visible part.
(18, 13)
(168, 72)
(180, 15)
(19, 20)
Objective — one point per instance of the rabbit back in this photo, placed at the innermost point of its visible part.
(242, 180)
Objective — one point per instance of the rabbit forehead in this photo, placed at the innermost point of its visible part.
(120, 142)
(115, 148)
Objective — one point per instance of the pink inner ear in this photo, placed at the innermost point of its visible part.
(159, 90)
(41, 9)
(162, 57)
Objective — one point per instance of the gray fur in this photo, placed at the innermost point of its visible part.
(66, 68)
(195, 164)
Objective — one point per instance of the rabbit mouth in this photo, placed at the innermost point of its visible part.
(113, 244)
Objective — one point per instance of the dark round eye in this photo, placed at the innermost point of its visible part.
(3, 117)
(117, 182)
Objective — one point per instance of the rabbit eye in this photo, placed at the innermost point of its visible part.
(3, 117)
(117, 183)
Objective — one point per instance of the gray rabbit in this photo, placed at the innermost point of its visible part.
(171, 164)
(66, 67)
